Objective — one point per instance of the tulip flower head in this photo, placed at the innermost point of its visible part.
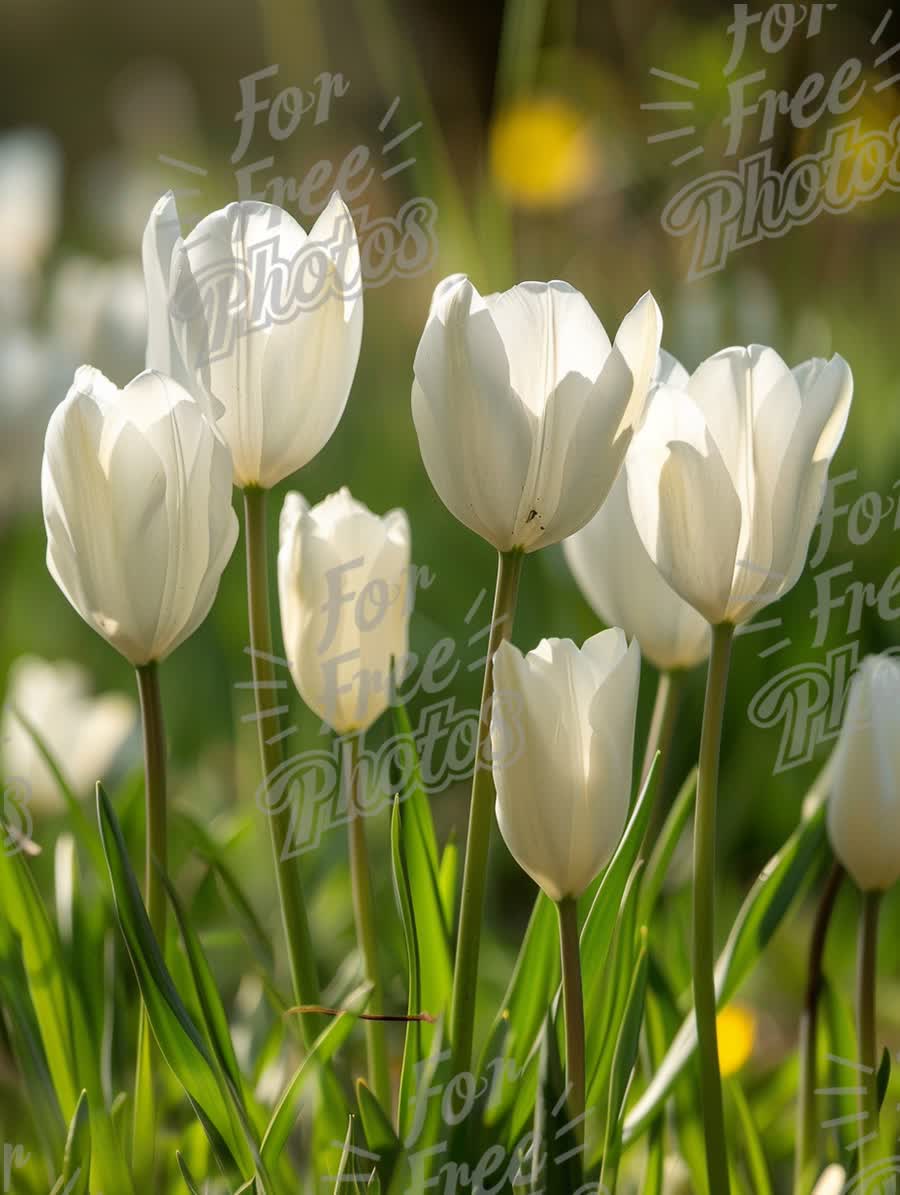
(562, 740)
(523, 408)
(727, 475)
(622, 584)
(137, 505)
(864, 803)
(343, 587)
(262, 321)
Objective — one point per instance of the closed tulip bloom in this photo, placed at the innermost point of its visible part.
(343, 587)
(523, 408)
(864, 804)
(137, 505)
(625, 588)
(262, 321)
(727, 474)
(562, 739)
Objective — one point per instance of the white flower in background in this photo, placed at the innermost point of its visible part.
(523, 408)
(137, 504)
(727, 475)
(864, 804)
(30, 183)
(677, 1178)
(622, 584)
(833, 1180)
(98, 313)
(33, 372)
(562, 739)
(83, 733)
(262, 321)
(343, 587)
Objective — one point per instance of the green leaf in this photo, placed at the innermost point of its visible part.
(555, 1159)
(419, 846)
(760, 1180)
(782, 880)
(623, 1061)
(186, 1174)
(379, 1133)
(320, 1053)
(447, 877)
(534, 979)
(670, 835)
(180, 1040)
(413, 1050)
(76, 1169)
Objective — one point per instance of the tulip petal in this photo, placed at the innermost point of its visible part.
(638, 340)
(684, 504)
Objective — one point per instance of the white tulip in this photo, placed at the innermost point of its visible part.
(343, 587)
(622, 584)
(562, 740)
(98, 313)
(524, 409)
(864, 804)
(727, 474)
(832, 1181)
(260, 320)
(137, 504)
(83, 733)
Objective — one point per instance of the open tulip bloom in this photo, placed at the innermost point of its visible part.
(727, 475)
(523, 407)
(263, 321)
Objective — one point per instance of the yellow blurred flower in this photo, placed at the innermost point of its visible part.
(541, 152)
(736, 1025)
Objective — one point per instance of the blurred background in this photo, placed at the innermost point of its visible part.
(520, 136)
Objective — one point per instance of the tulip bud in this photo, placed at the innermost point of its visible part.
(727, 475)
(562, 740)
(524, 409)
(624, 587)
(343, 587)
(864, 805)
(137, 506)
(260, 320)
(832, 1181)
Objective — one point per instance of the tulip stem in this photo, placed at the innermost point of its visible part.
(301, 959)
(574, 1005)
(866, 1023)
(806, 1163)
(465, 972)
(154, 797)
(704, 941)
(662, 722)
(155, 867)
(363, 912)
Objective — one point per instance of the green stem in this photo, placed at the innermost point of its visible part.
(662, 721)
(154, 797)
(704, 942)
(465, 973)
(806, 1161)
(364, 915)
(866, 1022)
(573, 1001)
(155, 867)
(301, 959)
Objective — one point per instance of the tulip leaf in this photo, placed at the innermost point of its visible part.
(189, 1181)
(623, 1061)
(77, 1159)
(179, 1039)
(518, 1023)
(760, 1179)
(320, 1053)
(380, 1136)
(782, 880)
(556, 1153)
(447, 876)
(420, 853)
(669, 837)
